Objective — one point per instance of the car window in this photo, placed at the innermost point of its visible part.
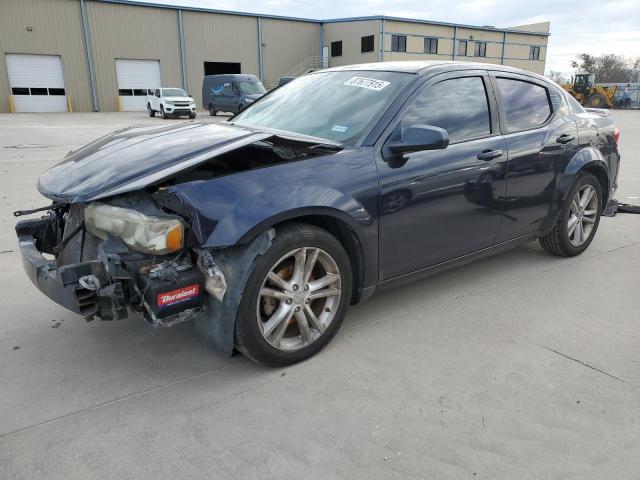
(574, 105)
(335, 105)
(526, 105)
(173, 92)
(458, 105)
(558, 102)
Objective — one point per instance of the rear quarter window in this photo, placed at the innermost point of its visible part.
(526, 105)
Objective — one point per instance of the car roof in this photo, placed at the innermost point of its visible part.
(431, 66)
(235, 76)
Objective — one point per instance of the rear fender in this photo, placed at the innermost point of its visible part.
(587, 159)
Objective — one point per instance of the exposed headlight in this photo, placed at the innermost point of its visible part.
(140, 232)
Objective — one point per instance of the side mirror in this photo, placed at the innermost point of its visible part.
(420, 137)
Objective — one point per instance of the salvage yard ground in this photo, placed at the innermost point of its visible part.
(520, 366)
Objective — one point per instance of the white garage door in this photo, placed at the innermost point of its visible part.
(135, 78)
(37, 83)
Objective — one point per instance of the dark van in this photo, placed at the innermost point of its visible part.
(230, 92)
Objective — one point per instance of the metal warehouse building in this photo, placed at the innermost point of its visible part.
(104, 55)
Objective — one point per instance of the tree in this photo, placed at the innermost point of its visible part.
(557, 77)
(608, 68)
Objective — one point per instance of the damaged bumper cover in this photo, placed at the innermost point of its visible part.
(113, 284)
(60, 283)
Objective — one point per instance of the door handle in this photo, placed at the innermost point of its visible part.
(487, 155)
(565, 138)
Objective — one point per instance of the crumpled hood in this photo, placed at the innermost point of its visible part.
(133, 158)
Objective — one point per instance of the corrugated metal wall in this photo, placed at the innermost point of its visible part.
(516, 52)
(287, 44)
(211, 37)
(56, 30)
(133, 32)
(350, 33)
(152, 33)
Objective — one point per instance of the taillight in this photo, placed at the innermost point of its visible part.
(616, 134)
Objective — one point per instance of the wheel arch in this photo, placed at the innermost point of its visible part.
(334, 222)
(588, 160)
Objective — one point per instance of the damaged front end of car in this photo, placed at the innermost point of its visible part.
(104, 258)
(119, 237)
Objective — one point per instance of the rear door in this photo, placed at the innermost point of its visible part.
(541, 139)
(437, 205)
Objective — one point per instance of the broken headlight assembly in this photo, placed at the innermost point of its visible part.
(142, 233)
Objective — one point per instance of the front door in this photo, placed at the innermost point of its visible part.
(442, 204)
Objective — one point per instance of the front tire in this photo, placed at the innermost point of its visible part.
(192, 116)
(578, 220)
(212, 111)
(163, 113)
(296, 297)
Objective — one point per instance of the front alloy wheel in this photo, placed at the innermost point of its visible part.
(299, 298)
(296, 297)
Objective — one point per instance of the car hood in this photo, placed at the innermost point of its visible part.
(179, 99)
(134, 158)
(255, 96)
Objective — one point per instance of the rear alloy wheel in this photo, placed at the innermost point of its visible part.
(578, 220)
(296, 297)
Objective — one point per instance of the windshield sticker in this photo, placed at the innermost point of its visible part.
(339, 128)
(368, 83)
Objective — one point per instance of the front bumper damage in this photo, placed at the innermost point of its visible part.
(120, 281)
(60, 284)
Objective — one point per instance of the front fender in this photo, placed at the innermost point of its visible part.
(586, 158)
(233, 217)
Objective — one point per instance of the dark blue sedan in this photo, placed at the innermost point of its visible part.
(263, 229)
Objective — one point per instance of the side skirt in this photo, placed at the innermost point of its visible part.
(441, 267)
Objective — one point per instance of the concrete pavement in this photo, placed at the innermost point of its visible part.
(520, 366)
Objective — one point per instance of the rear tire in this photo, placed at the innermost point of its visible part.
(212, 111)
(577, 224)
(151, 111)
(291, 319)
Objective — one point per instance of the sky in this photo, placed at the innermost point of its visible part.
(577, 26)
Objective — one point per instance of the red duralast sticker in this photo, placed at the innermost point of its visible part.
(176, 296)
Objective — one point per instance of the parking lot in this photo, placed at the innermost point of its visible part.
(519, 366)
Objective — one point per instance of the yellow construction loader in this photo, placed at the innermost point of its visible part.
(583, 88)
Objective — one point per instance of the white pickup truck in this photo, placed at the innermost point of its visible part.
(170, 102)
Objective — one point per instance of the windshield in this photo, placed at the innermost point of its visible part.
(173, 92)
(251, 88)
(338, 106)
